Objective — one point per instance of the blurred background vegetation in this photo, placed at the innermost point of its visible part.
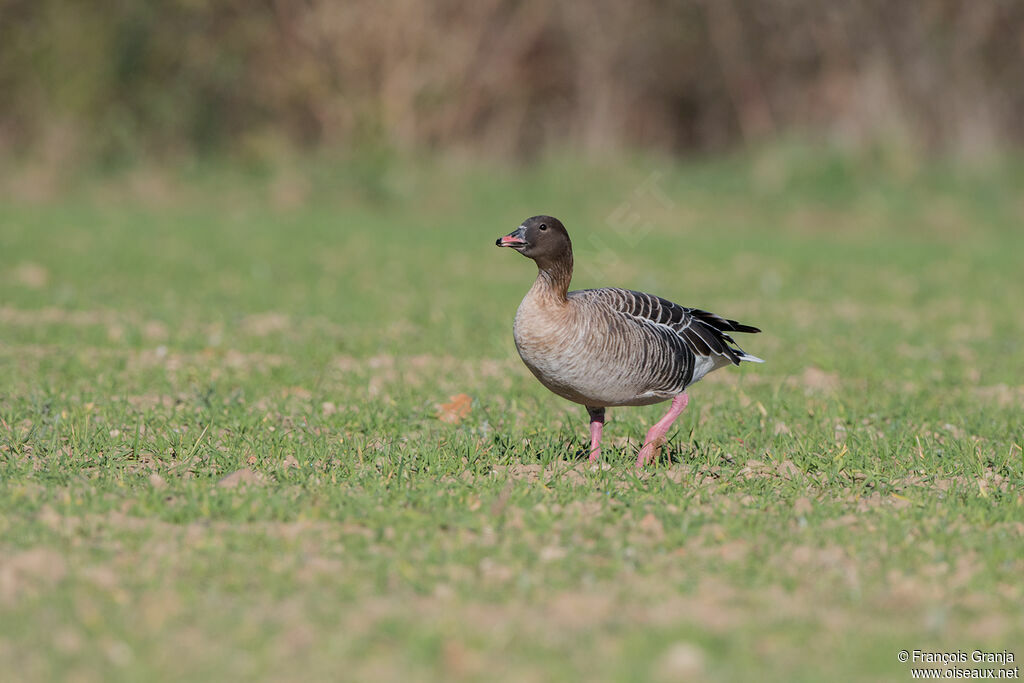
(113, 84)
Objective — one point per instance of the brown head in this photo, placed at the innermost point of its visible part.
(545, 240)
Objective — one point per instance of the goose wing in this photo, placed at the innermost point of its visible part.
(702, 333)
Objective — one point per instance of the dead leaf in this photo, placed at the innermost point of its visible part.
(244, 476)
(788, 470)
(455, 411)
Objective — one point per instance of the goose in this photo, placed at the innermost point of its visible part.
(612, 347)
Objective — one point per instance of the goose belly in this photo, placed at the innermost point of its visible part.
(580, 372)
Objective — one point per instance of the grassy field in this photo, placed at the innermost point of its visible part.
(222, 455)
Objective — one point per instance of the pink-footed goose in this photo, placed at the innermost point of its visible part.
(612, 347)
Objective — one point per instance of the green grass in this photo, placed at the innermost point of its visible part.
(858, 494)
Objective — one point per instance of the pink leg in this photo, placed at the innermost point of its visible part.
(596, 424)
(656, 434)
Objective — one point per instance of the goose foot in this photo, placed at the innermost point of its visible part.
(656, 434)
(649, 453)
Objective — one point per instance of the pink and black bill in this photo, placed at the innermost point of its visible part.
(516, 238)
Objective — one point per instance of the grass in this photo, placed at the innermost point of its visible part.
(858, 494)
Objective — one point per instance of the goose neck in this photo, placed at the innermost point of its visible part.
(553, 277)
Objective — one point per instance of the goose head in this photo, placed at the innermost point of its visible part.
(541, 238)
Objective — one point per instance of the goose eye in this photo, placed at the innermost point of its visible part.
(543, 226)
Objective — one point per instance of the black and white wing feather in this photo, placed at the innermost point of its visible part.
(690, 342)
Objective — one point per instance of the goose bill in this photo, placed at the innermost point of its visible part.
(516, 238)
